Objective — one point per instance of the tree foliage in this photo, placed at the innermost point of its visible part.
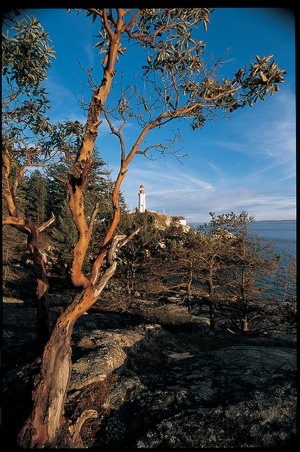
(222, 266)
(26, 58)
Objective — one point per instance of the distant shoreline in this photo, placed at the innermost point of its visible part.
(195, 223)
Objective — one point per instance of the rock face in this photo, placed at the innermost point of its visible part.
(107, 355)
(233, 396)
(155, 386)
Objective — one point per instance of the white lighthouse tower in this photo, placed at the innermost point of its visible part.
(142, 200)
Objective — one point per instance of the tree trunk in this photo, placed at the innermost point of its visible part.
(211, 301)
(47, 426)
(245, 319)
(43, 310)
(43, 321)
(189, 291)
(47, 417)
(245, 324)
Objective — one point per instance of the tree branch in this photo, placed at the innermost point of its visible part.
(46, 224)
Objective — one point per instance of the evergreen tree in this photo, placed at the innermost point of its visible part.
(135, 259)
(37, 197)
(98, 193)
(63, 239)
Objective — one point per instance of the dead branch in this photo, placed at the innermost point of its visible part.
(46, 224)
(75, 429)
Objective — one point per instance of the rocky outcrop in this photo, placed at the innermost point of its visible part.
(155, 386)
(108, 352)
(229, 396)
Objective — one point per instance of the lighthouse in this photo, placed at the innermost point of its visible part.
(142, 200)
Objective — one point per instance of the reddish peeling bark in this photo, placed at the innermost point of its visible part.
(79, 171)
(42, 285)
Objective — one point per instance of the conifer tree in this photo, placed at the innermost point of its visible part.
(247, 260)
(37, 197)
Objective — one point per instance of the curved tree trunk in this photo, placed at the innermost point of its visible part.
(47, 424)
(211, 299)
(43, 310)
(49, 396)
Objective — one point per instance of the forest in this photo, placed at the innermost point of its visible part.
(67, 231)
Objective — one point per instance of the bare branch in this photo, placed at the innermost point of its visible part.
(46, 224)
(106, 23)
(93, 216)
(11, 98)
(117, 133)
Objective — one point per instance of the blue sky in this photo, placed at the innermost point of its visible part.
(245, 163)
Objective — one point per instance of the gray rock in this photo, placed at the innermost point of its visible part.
(108, 355)
(237, 396)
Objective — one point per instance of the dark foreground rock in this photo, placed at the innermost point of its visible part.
(154, 386)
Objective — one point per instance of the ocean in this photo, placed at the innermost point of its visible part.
(283, 235)
(281, 232)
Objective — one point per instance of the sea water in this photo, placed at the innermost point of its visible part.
(282, 233)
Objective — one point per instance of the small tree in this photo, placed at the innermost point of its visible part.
(181, 263)
(135, 259)
(180, 86)
(247, 260)
(215, 251)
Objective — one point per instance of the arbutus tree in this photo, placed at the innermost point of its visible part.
(180, 86)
